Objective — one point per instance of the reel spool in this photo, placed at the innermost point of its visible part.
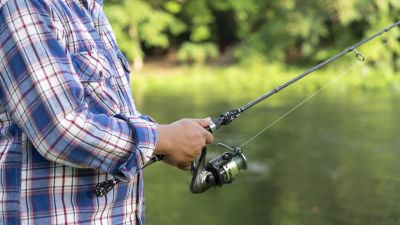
(218, 171)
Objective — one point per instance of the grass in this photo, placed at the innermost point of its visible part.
(252, 81)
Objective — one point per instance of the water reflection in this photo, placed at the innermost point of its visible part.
(333, 161)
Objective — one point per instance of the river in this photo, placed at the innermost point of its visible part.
(333, 161)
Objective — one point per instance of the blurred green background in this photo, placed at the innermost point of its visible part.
(332, 161)
(239, 43)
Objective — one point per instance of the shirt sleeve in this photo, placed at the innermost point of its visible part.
(41, 91)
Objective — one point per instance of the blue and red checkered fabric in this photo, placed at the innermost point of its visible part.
(67, 117)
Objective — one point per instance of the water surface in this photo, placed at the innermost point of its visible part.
(333, 161)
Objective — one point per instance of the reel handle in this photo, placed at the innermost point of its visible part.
(200, 162)
(212, 126)
(200, 176)
(198, 165)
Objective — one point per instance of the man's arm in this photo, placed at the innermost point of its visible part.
(41, 91)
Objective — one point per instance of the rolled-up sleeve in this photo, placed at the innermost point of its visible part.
(40, 89)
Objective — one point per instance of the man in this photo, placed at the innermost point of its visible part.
(68, 121)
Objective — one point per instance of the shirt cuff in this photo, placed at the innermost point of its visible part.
(145, 140)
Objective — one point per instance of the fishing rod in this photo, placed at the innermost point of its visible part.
(227, 117)
(224, 168)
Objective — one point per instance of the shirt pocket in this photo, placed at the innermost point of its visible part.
(95, 74)
(124, 63)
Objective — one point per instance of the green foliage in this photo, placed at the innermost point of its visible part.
(137, 22)
(173, 7)
(308, 31)
(287, 31)
(198, 53)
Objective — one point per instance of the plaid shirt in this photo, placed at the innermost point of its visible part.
(67, 117)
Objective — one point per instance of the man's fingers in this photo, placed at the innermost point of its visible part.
(184, 166)
(203, 122)
(209, 137)
(189, 137)
(170, 162)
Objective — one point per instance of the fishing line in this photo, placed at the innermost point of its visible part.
(360, 57)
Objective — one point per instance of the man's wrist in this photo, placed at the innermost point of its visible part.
(164, 142)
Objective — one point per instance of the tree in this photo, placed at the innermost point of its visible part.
(285, 31)
(137, 23)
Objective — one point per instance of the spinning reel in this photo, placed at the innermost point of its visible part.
(218, 171)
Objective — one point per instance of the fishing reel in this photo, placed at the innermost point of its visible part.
(218, 171)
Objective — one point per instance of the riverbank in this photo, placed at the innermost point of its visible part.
(240, 81)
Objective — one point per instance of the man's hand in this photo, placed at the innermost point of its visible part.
(181, 142)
